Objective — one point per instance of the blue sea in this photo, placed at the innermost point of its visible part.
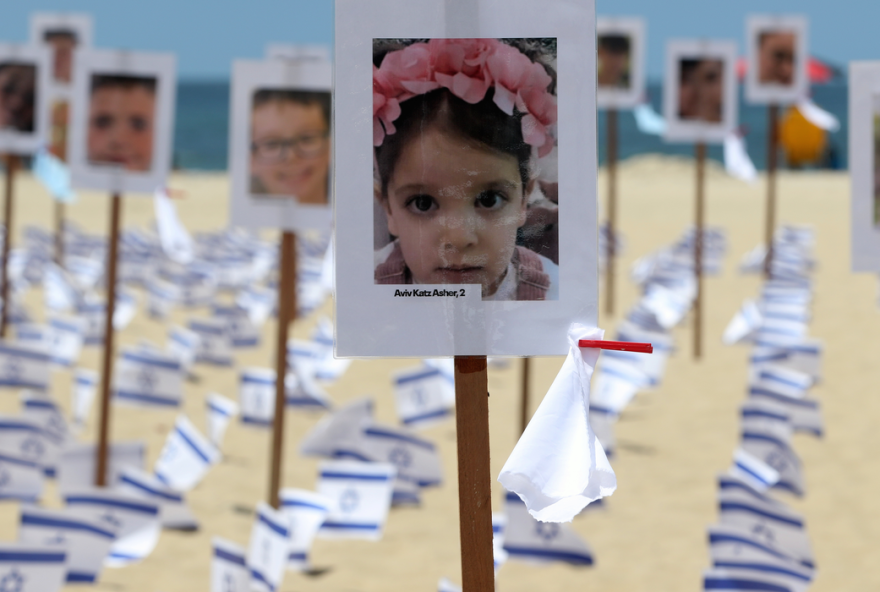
(202, 127)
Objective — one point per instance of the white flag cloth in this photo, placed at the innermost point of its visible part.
(301, 390)
(268, 549)
(59, 292)
(23, 438)
(361, 494)
(20, 478)
(445, 585)
(161, 298)
(86, 541)
(256, 396)
(768, 577)
(305, 511)
(173, 511)
(770, 446)
(76, 465)
(258, 302)
(782, 380)
(134, 521)
(527, 539)
(818, 116)
(415, 458)
(183, 345)
(558, 466)
(186, 457)
(215, 342)
(173, 236)
(220, 411)
(424, 396)
(736, 158)
(339, 430)
(31, 568)
(329, 368)
(744, 324)
(617, 382)
(649, 121)
(229, 571)
(53, 173)
(23, 366)
(242, 332)
(731, 543)
(82, 392)
(602, 421)
(65, 340)
(804, 413)
(148, 378)
(55, 435)
(753, 470)
(499, 526)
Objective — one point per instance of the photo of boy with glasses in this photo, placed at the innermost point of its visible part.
(290, 145)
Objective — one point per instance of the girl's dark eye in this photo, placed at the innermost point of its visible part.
(422, 203)
(490, 200)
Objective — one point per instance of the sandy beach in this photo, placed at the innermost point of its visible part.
(671, 441)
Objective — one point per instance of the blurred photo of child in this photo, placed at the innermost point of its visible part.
(701, 90)
(776, 57)
(17, 96)
(121, 117)
(290, 145)
(614, 61)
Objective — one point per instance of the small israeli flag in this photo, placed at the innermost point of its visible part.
(215, 342)
(173, 512)
(86, 541)
(305, 511)
(220, 411)
(764, 415)
(183, 345)
(186, 457)
(23, 437)
(161, 298)
(91, 310)
(134, 521)
(76, 465)
(31, 568)
(329, 368)
(173, 236)
(424, 396)
(23, 366)
(20, 478)
(84, 272)
(229, 571)
(445, 585)
(499, 525)
(771, 447)
(734, 544)
(653, 366)
(783, 380)
(805, 414)
(148, 378)
(268, 550)
(256, 395)
(125, 309)
(55, 435)
(304, 357)
(362, 496)
(406, 493)
(753, 470)
(616, 385)
(59, 293)
(65, 338)
(301, 390)
(258, 302)
(242, 332)
(744, 324)
(339, 430)
(85, 383)
(670, 306)
(754, 577)
(526, 539)
(415, 458)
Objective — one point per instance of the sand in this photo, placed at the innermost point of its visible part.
(671, 442)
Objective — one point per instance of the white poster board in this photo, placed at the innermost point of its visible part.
(778, 59)
(621, 62)
(498, 272)
(699, 91)
(280, 145)
(864, 164)
(63, 34)
(122, 121)
(284, 51)
(24, 100)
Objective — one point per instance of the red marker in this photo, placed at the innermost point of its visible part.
(627, 346)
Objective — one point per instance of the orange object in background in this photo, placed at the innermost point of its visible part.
(803, 143)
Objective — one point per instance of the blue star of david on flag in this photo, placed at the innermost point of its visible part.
(32, 448)
(400, 457)
(5, 477)
(13, 370)
(147, 380)
(12, 582)
(349, 500)
(547, 530)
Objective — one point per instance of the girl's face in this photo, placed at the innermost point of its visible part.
(455, 207)
(290, 151)
(121, 127)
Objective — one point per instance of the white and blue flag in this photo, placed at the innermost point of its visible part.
(416, 459)
(781, 379)
(173, 511)
(219, 413)
(176, 242)
(148, 378)
(49, 418)
(242, 332)
(20, 478)
(361, 494)
(770, 446)
(256, 396)
(229, 570)
(805, 413)
(732, 544)
(186, 457)
(258, 302)
(77, 466)
(23, 437)
(65, 338)
(340, 430)
(445, 585)
(329, 368)
(215, 342)
(86, 541)
(268, 549)
(529, 540)
(754, 576)
(82, 392)
(23, 366)
(753, 470)
(301, 390)
(31, 568)
(59, 292)
(744, 324)
(183, 345)
(305, 511)
(499, 525)
(161, 298)
(424, 396)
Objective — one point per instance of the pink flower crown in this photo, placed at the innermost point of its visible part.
(467, 68)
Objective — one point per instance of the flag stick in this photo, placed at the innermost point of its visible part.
(286, 315)
(11, 166)
(107, 369)
(474, 486)
(772, 153)
(524, 395)
(698, 249)
(611, 120)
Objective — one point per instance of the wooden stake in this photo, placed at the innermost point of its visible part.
(474, 486)
(286, 315)
(611, 120)
(107, 370)
(524, 392)
(772, 153)
(11, 165)
(698, 250)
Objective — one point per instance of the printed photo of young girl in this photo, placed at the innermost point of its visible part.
(121, 116)
(18, 96)
(465, 173)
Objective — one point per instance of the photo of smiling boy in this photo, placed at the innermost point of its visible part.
(121, 116)
(290, 145)
(777, 57)
(457, 164)
(701, 90)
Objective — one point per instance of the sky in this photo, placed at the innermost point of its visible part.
(207, 35)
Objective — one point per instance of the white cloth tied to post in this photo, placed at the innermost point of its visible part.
(173, 236)
(31, 568)
(229, 571)
(558, 466)
(268, 550)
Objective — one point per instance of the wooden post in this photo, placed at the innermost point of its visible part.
(474, 485)
(611, 120)
(107, 370)
(772, 154)
(698, 250)
(524, 395)
(11, 165)
(286, 315)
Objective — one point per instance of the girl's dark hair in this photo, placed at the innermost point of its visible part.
(301, 97)
(482, 122)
